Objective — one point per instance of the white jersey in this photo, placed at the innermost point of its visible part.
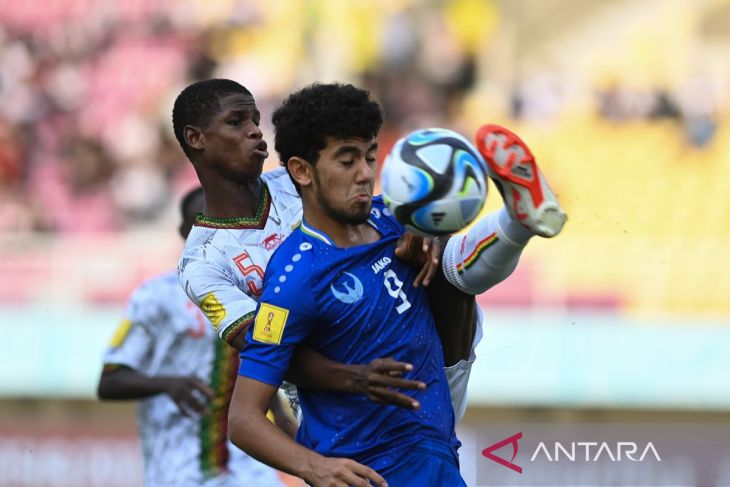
(164, 334)
(222, 266)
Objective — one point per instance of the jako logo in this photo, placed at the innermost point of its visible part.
(380, 264)
(487, 452)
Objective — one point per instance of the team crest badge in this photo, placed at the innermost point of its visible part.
(272, 241)
(347, 288)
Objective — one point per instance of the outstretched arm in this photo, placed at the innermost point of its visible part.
(251, 431)
(191, 394)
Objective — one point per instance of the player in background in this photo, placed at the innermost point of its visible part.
(336, 285)
(166, 355)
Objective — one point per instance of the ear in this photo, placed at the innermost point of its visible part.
(300, 170)
(194, 137)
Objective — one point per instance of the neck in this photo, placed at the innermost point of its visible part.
(229, 199)
(342, 235)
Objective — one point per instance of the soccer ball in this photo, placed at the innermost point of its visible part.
(434, 181)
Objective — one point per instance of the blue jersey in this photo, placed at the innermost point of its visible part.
(352, 305)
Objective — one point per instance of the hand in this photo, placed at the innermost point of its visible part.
(420, 251)
(343, 472)
(191, 394)
(378, 379)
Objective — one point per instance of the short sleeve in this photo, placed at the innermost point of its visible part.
(285, 317)
(213, 289)
(133, 341)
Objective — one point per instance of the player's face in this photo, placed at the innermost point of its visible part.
(234, 144)
(343, 179)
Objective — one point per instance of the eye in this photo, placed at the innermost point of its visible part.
(371, 160)
(234, 121)
(348, 162)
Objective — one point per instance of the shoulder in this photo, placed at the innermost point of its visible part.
(203, 269)
(202, 253)
(279, 182)
(290, 279)
(294, 254)
(156, 288)
(383, 218)
(152, 297)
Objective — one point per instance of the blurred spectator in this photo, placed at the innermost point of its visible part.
(85, 84)
(698, 109)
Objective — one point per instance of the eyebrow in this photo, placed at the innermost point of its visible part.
(353, 149)
(247, 111)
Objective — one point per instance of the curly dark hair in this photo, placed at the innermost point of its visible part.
(307, 117)
(199, 102)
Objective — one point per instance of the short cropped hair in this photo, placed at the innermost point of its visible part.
(199, 102)
(309, 116)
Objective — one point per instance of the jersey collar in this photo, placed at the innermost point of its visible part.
(320, 235)
(256, 222)
(306, 229)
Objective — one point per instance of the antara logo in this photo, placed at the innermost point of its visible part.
(512, 440)
(380, 264)
(588, 451)
(594, 451)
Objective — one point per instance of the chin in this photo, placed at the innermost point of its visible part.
(250, 175)
(360, 217)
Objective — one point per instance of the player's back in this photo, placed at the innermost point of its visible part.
(164, 334)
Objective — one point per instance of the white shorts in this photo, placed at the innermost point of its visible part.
(458, 374)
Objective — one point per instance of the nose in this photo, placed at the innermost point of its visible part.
(364, 173)
(254, 131)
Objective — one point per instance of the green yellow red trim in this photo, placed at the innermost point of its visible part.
(258, 221)
(239, 326)
(474, 256)
(214, 425)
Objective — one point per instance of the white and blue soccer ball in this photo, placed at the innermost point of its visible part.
(434, 181)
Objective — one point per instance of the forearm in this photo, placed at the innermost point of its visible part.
(252, 432)
(125, 383)
(310, 369)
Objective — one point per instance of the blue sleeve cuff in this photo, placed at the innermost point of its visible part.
(264, 372)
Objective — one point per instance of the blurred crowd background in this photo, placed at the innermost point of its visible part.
(626, 103)
(629, 120)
